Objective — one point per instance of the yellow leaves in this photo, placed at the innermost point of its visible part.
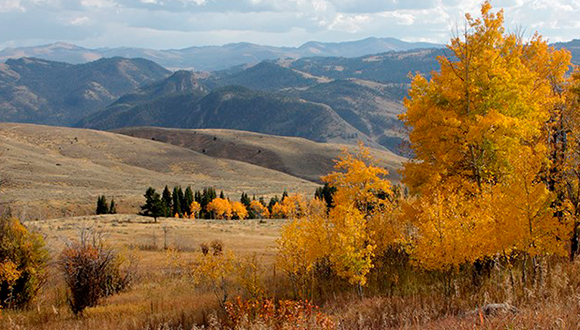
(9, 272)
(492, 96)
(523, 211)
(348, 235)
(224, 209)
(221, 207)
(239, 210)
(291, 207)
(194, 209)
(259, 210)
(359, 182)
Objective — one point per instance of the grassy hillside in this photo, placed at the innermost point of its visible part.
(295, 156)
(54, 171)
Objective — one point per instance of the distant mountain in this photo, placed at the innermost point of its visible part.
(390, 67)
(265, 76)
(210, 58)
(231, 107)
(45, 92)
(370, 107)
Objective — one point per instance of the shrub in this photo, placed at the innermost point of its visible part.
(23, 259)
(92, 270)
(286, 314)
(217, 246)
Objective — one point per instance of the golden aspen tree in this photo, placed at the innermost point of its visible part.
(259, 209)
(492, 97)
(528, 204)
(278, 211)
(570, 167)
(194, 208)
(343, 236)
(239, 210)
(221, 208)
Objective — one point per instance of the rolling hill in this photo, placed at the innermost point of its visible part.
(54, 171)
(295, 156)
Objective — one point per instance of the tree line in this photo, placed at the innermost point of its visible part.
(207, 204)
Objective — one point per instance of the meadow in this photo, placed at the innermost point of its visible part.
(162, 297)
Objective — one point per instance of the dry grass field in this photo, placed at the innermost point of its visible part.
(295, 156)
(163, 298)
(51, 172)
(160, 295)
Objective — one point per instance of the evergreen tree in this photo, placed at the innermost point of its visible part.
(273, 201)
(188, 199)
(325, 194)
(102, 207)
(153, 206)
(208, 195)
(166, 201)
(183, 207)
(284, 195)
(222, 196)
(113, 207)
(176, 205)
(245, 199)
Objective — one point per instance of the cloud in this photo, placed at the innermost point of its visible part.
(183, 23)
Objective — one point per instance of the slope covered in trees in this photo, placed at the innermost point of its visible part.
(40, 91)
(231, 107)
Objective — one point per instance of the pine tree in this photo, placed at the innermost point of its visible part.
(188, 199)
(222, 196)
(284, 195)
(176, 201)
(102, 207)
(112, 207)
(153, 206)
(325, 194)
(245, 199)
(184, 207)
(273, 201)
(167, 202)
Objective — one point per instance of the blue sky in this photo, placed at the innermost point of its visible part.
(165, 24)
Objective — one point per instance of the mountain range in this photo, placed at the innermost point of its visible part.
(45, 92)
(324, 99)
(211, 58)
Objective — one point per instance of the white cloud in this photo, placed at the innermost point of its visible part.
(182, 23)
(11, 5)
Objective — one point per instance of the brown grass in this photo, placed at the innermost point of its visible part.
(52, 172)
(165, 299)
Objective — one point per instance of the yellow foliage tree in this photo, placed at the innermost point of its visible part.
(345, 236)
(221, 208)
(259, 210)
(239, 210)
(481, 107)
(472, 127)
(194, 209)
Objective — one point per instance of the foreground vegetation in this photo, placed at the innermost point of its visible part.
(487, 236)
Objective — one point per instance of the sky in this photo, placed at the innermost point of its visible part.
(174, 24)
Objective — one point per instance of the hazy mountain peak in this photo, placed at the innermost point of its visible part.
(208, 58)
